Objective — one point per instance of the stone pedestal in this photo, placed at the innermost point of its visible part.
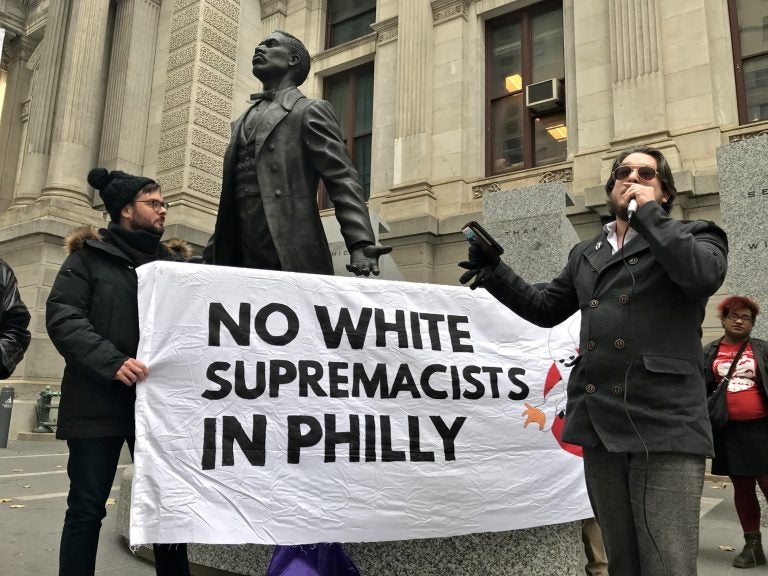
(743, 177)
(530, 223)
(545, 551)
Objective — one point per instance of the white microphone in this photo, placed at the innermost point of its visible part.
(631, 208)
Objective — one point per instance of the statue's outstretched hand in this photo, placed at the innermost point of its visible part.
(365, 261)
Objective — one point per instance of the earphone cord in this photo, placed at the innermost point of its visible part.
(626, 409)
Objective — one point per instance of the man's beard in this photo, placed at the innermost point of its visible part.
(151, 228)
(622, 212)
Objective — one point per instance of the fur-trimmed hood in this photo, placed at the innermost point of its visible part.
(179, 248)
(76, 239)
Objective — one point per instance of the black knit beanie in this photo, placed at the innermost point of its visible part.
(116, 188)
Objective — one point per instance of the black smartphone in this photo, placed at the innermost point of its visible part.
(476, 234)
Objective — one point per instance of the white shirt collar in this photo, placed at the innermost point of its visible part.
(613, 239)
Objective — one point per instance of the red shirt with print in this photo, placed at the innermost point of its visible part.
(745, 400)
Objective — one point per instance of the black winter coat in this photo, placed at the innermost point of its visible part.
(92, 319)
(640, 341)
(14, 319)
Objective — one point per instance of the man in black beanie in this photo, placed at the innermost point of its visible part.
(92, 318)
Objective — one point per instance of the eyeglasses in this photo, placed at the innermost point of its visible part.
(156, 205)
(744, 317)
(644, 172)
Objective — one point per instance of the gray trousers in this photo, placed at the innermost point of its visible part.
(648, 510)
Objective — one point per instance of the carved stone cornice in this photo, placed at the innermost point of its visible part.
(747, 136)
(445, 10)
(272, 7)
(562, 175)
(386, 30)
(482, 189)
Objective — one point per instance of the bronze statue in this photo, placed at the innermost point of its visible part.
(281, 147)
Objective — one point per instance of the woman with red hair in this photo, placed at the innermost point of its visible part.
(741, 446)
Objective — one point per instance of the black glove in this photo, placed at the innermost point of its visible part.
(480, 266)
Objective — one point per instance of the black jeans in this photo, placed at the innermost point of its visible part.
(91, 468)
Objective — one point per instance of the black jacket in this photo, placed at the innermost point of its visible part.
(92, 319)
(14, 319)
(760, 351)
(640, 341)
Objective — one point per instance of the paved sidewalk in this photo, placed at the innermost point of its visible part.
(33, 475)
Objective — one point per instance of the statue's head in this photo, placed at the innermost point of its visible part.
(281, 55)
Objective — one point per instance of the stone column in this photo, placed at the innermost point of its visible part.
(46, 82)
(79, 104)
(129, 86)
(638, 82)
(273, 14)
(413, 145)
(197, 110)
(18, 50)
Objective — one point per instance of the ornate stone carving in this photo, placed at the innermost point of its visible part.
(214, 102)
(218, 62)
(182, 37)
(272, 7)
(562, 175)
(445, 10)
(169, 160)
(229, 7)
(204, 185)
(185, 17)
(747, 136)
(386, 30)
(170, 140)
(205, 162)
(212, 122)
(180, 57)
(212, 80)
(175, 118)
(479, 191)
(180, 77)
(171, 180)
(220, 22)
(215, 41)
(209, 142)
(177, 97)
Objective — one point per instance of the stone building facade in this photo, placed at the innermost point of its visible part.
(431, 93)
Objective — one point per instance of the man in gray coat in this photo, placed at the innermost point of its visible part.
(281, 147)
(636, 397)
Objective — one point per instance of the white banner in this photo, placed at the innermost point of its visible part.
(291, 408)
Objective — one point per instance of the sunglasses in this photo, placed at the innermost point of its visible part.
(644, 172)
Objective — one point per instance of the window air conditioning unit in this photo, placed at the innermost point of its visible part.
(545, 96)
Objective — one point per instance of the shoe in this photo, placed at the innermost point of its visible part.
(752, 555)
